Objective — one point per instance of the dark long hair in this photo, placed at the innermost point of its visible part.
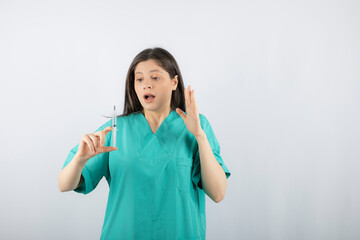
(165, 60)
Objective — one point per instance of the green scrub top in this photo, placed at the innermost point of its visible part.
(155, 189)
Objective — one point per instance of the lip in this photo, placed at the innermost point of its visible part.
(149, 101)
(148, 94)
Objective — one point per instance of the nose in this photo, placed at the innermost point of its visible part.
(147, 84)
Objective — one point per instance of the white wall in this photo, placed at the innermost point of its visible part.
(278, 81)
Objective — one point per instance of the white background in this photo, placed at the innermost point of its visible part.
(278, 81)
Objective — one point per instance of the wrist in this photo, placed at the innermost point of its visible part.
(80, 160)
(200, 135)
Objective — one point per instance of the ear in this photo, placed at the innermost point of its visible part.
(175, 82)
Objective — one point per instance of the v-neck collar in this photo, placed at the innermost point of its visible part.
(166, 135)
(168, 118)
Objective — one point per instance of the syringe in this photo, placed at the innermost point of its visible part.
(114, 118)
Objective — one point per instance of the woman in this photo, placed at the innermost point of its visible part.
(165, 160)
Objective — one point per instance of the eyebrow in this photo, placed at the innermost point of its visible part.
(151, 71)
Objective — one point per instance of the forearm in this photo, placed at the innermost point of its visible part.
(70, 176)
(212, 174)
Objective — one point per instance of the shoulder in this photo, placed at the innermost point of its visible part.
(203, 120)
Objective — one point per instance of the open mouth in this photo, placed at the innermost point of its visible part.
(149, 97)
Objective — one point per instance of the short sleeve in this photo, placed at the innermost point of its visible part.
(95, 168)
(214, 144)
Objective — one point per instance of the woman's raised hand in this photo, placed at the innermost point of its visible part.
(191, 118)
(92, 144)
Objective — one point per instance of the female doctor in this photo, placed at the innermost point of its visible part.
(165, 160)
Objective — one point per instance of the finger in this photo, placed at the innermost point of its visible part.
(181, 113)
(185, 92)
(107, 130)
(187, 99)
(102, 134)
(89, 143)
(190, 95)
(95, 140)
(102, 138)
(109, 149)
(193, 98)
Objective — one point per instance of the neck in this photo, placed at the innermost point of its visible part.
(156, 117)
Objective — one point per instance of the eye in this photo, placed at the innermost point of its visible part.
(139, 79)
(156, 78)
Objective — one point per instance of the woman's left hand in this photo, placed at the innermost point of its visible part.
(191, 119)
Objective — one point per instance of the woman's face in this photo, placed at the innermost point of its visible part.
(151, 79)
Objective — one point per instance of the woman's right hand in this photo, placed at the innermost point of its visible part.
(92, 144)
